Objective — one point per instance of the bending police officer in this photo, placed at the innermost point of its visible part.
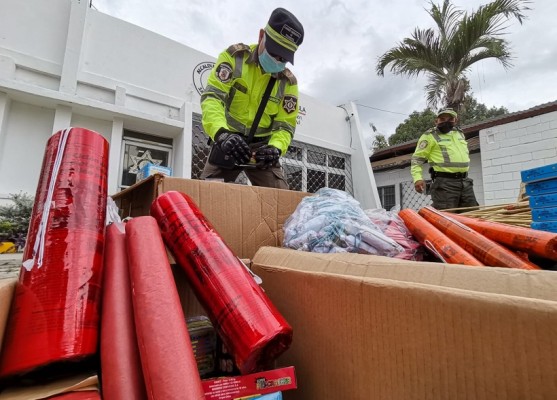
(232, 99)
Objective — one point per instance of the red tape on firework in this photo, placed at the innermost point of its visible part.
(55, 312)
(250, 326)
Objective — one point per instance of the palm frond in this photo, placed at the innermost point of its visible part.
(461, 39)
(435, 90)
(495, 48)
(506, 8)
(420, 53)
(446, 18)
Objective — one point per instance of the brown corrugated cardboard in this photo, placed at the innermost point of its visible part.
(72, 384)
(367, 337)
(246, 217)
(516, 282)
(7, 287)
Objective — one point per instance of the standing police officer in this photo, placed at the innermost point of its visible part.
(232, 96)
(445, 149)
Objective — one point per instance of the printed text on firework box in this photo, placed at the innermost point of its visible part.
(265, 382)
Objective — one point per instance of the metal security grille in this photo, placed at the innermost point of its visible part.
(409, 198)
(308, 168)
(387, 196)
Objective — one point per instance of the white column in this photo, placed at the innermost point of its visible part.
(5, 103)
(114, 161)
(363, 181)
(183, 144)
(62, 118)
(74, 44)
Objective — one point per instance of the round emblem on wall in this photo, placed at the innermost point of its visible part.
(200, 75)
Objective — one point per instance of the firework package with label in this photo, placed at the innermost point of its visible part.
(250, 326)
(56, 309)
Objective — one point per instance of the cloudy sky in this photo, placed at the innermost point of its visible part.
(343, 40)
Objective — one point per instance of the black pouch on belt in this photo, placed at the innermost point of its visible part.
(221, 160)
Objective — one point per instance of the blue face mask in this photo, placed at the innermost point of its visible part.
(269, 64)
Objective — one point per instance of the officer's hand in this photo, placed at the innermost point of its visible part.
(419, 186)
(266, 156)
(233, 144)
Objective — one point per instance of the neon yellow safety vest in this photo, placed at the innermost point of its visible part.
(445, 152)
(234, 91)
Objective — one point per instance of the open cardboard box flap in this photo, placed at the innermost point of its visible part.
(362, 331)
(246, 217)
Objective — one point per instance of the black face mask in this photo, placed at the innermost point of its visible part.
(445, 127)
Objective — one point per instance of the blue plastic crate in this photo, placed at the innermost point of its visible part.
(545, 226)
(543, 200)
(541, 187)
(539, 174)
(544, 214)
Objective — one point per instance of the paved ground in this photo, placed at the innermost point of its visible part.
(9, 265)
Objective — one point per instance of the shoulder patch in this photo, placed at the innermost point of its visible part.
(423, 144)
(290, 76)
(223, 72)
(289, 103)
(235, 48)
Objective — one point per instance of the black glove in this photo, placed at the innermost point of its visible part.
(233, 144)
(267, 156)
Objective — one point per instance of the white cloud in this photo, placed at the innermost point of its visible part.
(343, 39)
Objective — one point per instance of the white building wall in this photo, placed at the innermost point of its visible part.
(62, 63)
(510, 148)
(475, 173)
(21, 154)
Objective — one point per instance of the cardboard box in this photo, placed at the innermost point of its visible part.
(7, 288)
(78, 383)
(246, 217)
(368, 327)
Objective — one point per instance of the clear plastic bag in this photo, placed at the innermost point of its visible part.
(392, 226)
(332, 221)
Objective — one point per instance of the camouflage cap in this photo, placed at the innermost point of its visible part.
(449, 111)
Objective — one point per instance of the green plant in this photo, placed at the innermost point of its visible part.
(14, 219)
(446, 53)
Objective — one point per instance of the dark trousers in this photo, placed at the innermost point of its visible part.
(271, 177)
(453, 193)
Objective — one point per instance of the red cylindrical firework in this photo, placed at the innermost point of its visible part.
(250, 326)
(55, 312)
(436, 241)
(121, 366)
(167, 357)
(487, 251)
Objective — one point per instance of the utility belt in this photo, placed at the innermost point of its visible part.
(452, 175)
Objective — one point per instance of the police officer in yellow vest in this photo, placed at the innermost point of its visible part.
(232, 97)
(445, 149)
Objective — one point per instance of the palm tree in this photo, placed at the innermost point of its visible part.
(445, 55)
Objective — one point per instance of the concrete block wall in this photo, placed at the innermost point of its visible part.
(510, 148)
